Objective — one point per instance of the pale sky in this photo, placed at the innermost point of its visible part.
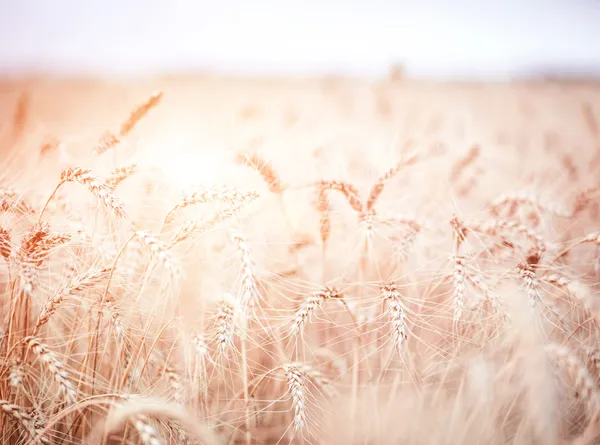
(444, 38)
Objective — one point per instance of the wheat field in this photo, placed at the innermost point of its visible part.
(299, 261)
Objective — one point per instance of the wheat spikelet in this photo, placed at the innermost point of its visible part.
(139, 112)
(459, 287)
(250, 293)
(5, 244)
(494, 227)
(200, 356)
(460, 231)
(396, 313)
(531, 283)
(348, 190)
(33, 251)
(10, 201)
(225, 323)
(107, 141)
(116, 320)
(265, 169)
(148, 434)
(464, 162)
(583, 199)
(21, 114)
(324, 214)
(174, 380)
(377, 189)
(119, 174)
(55, 366)
(185, 231)
(215, 193)
(24, 419)
(85, 281)
(296, 388)
(99, 189)
(584, 383)
(309, 306)
(159, 251)
(16, 375)
(515, 200)
(188, 228)
(593, 238)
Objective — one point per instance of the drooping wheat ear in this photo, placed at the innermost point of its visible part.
(459, 287)
(148, 434)
(159, 251)
(116, 320)
(120, 174)
(55, 367)
(531, 283)
(107, 141)
(24, 419)
(348, 190)
(81, 283)
(296, 389)
(396, 312)
(464, 162)
(139, 112)
(10, 201)
(250, 293)
(35, 248)
(584, 383)
(514, 200)
(495, 227)
(5, 244)
(225, 323)
(377, 189)
(309, 306)
(265, 169)
(98, 188)
(225, 194)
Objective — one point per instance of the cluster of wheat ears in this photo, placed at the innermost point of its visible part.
(494, 341)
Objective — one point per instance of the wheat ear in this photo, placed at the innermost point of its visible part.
(55, 366)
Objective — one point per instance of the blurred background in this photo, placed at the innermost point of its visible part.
(440, 39)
